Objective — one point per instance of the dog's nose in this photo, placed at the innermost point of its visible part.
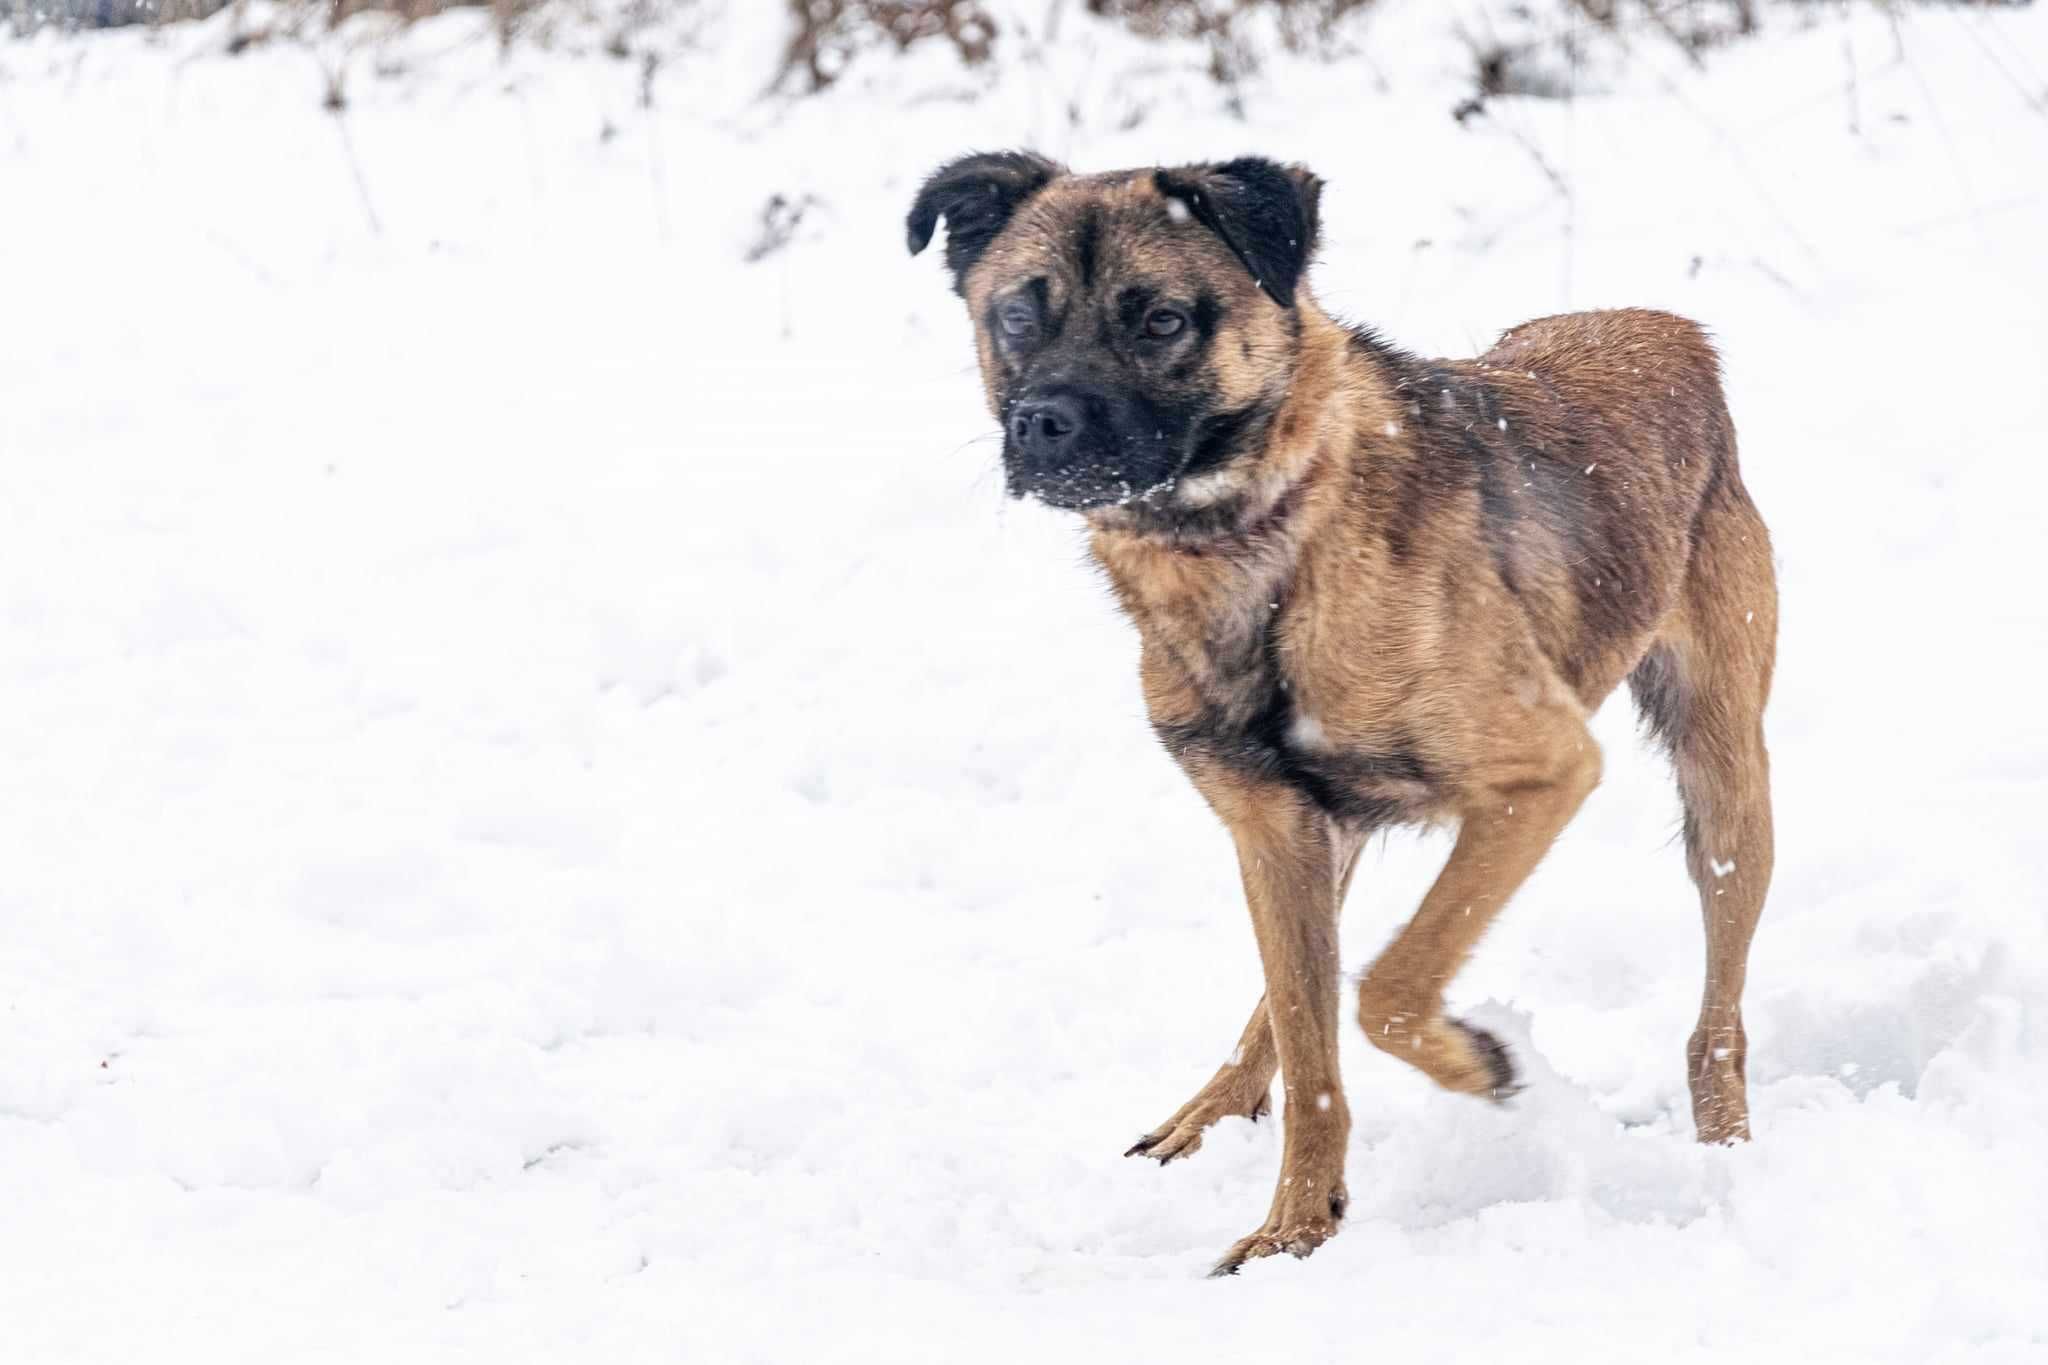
(1045, 430)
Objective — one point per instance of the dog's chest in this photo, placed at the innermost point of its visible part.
(1250, 693)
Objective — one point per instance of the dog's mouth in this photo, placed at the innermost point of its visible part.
(1159, 466)
(1090, 491)
(1208, 496)
(1231, 523)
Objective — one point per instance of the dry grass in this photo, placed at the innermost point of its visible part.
(828, 35)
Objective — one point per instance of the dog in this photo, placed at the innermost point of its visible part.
(1375, 590)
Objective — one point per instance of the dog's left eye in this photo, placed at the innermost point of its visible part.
(1164, 322)
(1018, 319)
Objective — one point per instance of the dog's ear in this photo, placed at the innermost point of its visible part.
(1265, 212)
(976, 195)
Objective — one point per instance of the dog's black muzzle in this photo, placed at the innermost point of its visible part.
(1076, 447)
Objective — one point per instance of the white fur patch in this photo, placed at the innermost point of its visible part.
(1208, 488)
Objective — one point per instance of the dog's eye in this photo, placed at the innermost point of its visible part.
(1017, 320)
(1163, 323)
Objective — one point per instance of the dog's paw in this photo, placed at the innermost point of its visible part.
(1182, 1134)
(1501, 1083)
(1296, 1231)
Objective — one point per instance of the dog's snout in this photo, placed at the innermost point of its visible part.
(1046, 430)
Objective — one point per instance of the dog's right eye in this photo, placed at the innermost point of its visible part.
(1164, 323)
(1018, 320)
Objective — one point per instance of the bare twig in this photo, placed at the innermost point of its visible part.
(1733, 150)
(355, 166)
(1670, 30)
(1948, 143)
(657, 174)
(2032, 100)
(1571, 129)
(1855, 103)
(1528, 144)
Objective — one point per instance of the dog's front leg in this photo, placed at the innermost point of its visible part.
(1242, 1085)
(1284, 852)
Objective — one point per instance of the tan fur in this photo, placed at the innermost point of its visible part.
(1436, 571)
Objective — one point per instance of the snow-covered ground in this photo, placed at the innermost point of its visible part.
(549, 810)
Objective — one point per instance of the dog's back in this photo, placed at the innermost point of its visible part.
(1592, 441)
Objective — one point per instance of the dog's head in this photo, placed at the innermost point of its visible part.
(1137, 330)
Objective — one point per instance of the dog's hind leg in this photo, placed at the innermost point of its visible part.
(1702, 688)
(1243, 1085)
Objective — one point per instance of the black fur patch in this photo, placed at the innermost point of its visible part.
(1708, 492)
(1498, 510)
(1349, 786)
(1542, 499)
(1265, 213)
(1500, 1063)
(1663, 697)
(1367, 789)
(1088, 246)
(1391, 359)
(1426, 482)
(1132, 303)
(976, 195)
(1041, 298)
(1221, 437)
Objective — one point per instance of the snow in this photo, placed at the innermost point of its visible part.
(551, 810)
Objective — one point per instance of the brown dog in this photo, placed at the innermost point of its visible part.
(1375, 589)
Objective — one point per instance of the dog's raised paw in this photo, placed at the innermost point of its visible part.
(1503, 1082)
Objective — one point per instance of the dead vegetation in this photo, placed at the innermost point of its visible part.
(1538, 50)
(827, 36)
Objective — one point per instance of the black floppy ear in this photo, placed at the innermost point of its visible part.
(976, 195)
(1265, 212)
